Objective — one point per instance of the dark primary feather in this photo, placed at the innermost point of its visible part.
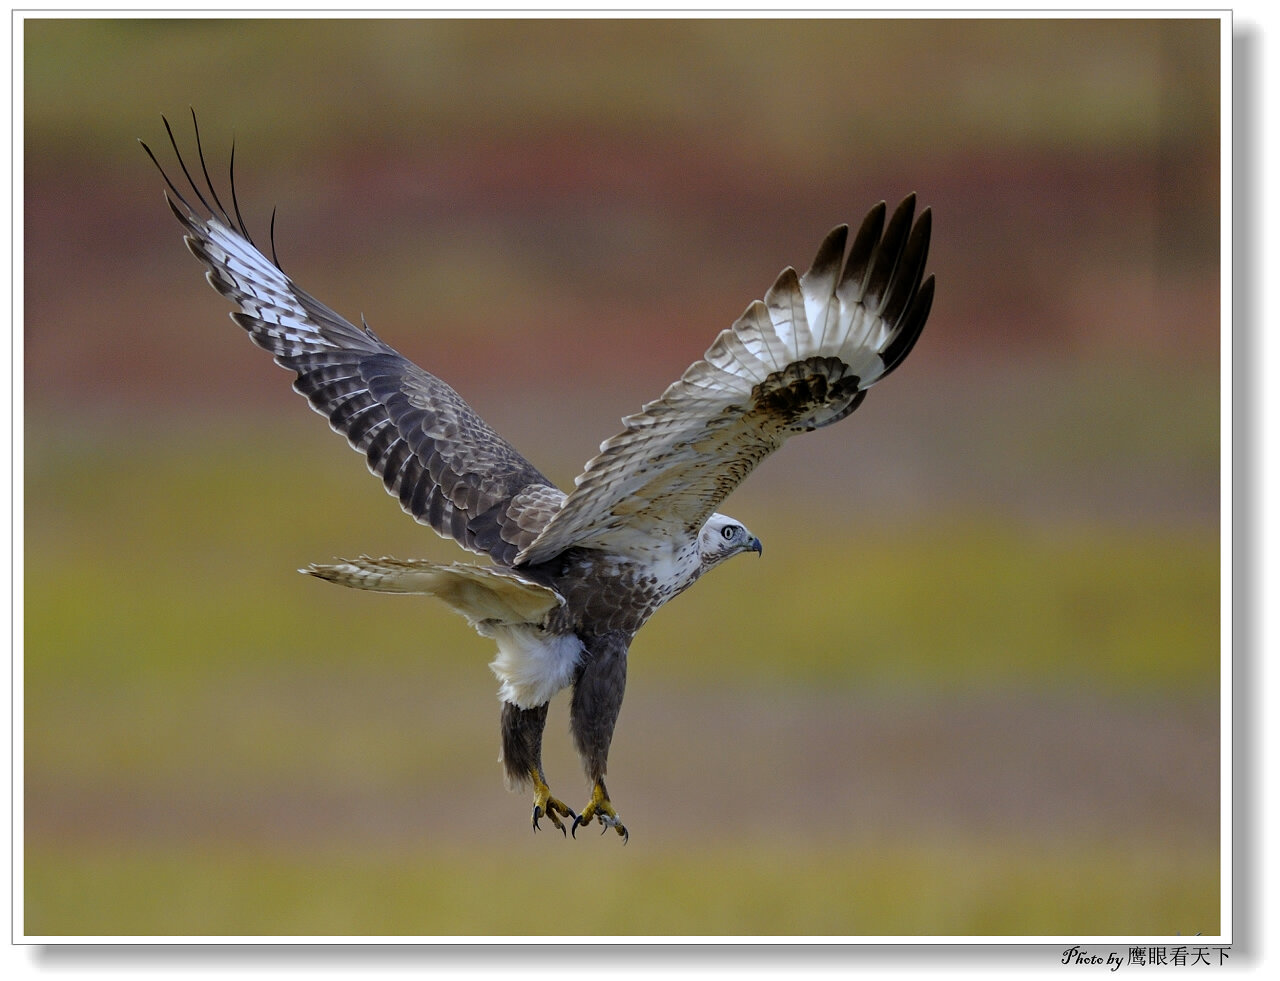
(446, 467)
(800, 360)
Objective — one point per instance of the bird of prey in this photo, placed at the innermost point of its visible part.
(573, 576)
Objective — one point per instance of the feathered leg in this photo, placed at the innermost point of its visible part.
(597, 699)
(522, 757)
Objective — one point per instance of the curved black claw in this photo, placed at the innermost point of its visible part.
(599, 808)
(539, 813)
(551, 808)
(608, 822)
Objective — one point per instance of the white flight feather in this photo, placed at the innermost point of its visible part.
(816, 315)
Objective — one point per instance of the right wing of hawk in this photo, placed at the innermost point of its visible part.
(799, 360)
(433, 453)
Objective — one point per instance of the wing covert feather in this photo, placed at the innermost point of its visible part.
(431, 450)
(800, 359)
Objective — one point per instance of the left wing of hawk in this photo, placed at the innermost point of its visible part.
(801, 359)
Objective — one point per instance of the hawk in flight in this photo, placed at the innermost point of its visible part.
(572, 577)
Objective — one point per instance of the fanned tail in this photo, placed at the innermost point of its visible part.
(477, 592)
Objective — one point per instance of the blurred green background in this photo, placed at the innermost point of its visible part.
(971, 688)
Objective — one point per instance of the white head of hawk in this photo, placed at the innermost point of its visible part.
(573, 577)
(723, 537)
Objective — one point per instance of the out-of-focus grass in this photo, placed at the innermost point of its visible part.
(174, 662)
(965, 604)
(176, 557)
(748, 888)
(173, 658)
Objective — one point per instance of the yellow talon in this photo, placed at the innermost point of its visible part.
(546, 805)
(599, 808)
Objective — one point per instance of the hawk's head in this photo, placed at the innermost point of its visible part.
(722, 538)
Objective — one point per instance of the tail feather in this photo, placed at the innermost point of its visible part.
(479, 593)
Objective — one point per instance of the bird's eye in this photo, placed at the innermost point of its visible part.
(728, 531)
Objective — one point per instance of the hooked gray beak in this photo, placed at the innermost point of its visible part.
(756, 547)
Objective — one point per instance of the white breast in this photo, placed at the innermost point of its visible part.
(675, 569)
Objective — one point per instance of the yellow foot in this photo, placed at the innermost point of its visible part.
(544, 805)
(600, 809)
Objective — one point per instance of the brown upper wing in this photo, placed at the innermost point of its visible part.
(801, 359)
(433, 453)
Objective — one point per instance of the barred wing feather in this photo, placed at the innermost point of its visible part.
(800, 359)
(433, 453)
(477, 592)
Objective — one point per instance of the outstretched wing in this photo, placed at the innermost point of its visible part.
(447, 468)
(801, 359)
